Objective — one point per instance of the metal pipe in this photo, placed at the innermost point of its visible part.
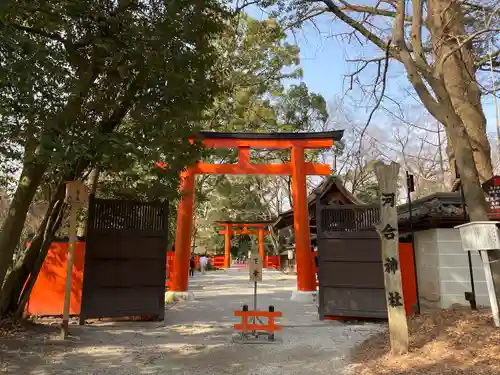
(255, 295)
(410, 187)
(472, 297)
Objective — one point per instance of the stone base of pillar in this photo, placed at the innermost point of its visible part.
(174, 296)
(306, 297)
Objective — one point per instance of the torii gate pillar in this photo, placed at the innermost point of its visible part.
(227, 247)
(306, 280)
(261, 244)
(183, 232)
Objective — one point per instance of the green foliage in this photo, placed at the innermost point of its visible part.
(300, 110)
(369, 193)
(71, 72)
(260, 60)
(119, 84)
(257, 58)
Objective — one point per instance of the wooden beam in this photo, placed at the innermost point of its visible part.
(274, 144)
(260, 169)
(243, 224)
(387, 176)
(239, 231)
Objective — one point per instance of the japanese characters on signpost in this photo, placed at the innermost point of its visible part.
(76, 196)
(255, 268)
(387, 176)
(255, 273)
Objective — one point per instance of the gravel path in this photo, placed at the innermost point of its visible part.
(195, 338)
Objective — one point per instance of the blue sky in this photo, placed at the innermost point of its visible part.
(323, 59)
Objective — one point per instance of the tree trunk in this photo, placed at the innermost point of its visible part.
(53, 225)
(30, 179)
(16, 279)
(94, 181)
(455, 103)
(26, 266)
(473, 192)
(455, 64)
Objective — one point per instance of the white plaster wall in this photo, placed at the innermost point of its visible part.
(454, 276)
(427, 261)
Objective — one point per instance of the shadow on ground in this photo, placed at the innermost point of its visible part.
(195, 338)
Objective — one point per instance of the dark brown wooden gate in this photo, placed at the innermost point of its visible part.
(350, 273)
(125, 259)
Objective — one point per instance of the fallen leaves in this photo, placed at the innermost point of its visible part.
(455, 341)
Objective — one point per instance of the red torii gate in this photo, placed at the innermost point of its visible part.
(298, 168)
(241, 227)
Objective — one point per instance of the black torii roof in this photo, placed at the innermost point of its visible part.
(336, 135)
(242, 222)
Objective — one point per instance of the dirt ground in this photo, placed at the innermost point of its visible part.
(195, 338)
(449, 342)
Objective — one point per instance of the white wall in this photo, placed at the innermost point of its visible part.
(427, 260)
(443, 269)
(454, 270)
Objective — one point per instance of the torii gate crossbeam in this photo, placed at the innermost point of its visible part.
(243, 227)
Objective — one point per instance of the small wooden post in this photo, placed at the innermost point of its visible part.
(387, 176)
(76, 196)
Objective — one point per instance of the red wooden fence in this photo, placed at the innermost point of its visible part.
(170, 269)
(217, 261)
(47, 296)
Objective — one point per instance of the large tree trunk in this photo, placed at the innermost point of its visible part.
(455, 103)
(467, 133)
(455, 64)
(474, 195)
(94, 182)
(30, 179)
(15, 280)
(24, 273)
(55, 220)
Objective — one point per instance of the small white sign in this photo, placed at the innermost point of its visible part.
(76, 193)
(255, 268)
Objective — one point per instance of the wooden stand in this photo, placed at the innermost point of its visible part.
(69, 271)
(387, 176)
(256, 333)
(76, 196)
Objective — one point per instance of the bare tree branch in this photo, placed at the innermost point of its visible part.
(239, 8)
(486, 59)
(307, 17)
(382, 93)
(332, 7)
(464, 42)
(369, 10)
(416, 33)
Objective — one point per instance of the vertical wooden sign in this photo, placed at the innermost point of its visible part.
(76, 196)
(387, 176)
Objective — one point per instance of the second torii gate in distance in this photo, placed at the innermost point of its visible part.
(297, 168)
(242, 227)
